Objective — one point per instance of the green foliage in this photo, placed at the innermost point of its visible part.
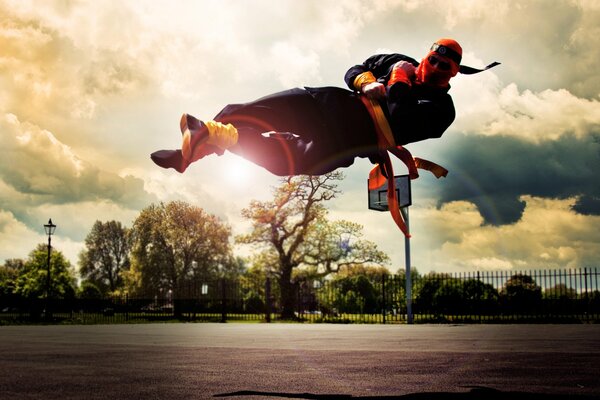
(8, 274)
(353, 292)
(132, 280)
(106, 255)
(560, 292)
(426, 288)
(520, 294)
(253, 282)
(253, 302)
(360, 294)
(443, 294)
(373, 273)
(88, 290)
(331, 246)
(174, 244)
(32, 278)
(233, 268)
(14, 264)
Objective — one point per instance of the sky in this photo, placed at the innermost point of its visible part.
(89, 89)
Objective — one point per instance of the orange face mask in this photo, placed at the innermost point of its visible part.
(440, 64)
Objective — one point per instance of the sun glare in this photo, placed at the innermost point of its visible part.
(239, 171)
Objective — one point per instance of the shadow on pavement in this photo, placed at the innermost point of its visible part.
(476, 393)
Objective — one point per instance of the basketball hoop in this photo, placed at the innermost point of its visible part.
(378, 197)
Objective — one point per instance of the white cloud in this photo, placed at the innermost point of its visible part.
(16, 239)
(41, 178)
(457, 12)
(550, 235)
(36, 163)
(484, 108)
(291, 66)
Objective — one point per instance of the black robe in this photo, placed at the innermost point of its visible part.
(303, 131)
(317, 130)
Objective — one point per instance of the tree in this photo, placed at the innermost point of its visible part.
(482, 298)
(293, 231)
(425, 289)
(89, 291)
(355, 289)
(132, 281)
(106, 255)
(560, 291)
(31, 281)
(174, 244)
(233, 268)
(440, 293)
(252, 285)
(373, 273)
(520, 293)
(399, 286)
(14, 264)
(8, 274)
(282, 224)
(331, 246)
(356, 294)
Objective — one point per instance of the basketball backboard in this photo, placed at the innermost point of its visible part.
(378, 197)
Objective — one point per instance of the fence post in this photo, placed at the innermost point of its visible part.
(383, 297)
(223, 301)
(587, 299)
(268, 300)
(126, 307)
(298, 299)
(479, 306)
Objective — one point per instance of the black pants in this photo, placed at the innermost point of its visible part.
(302, 131)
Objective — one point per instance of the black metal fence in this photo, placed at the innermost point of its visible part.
(566, 296)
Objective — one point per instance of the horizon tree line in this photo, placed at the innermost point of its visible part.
(173, 245)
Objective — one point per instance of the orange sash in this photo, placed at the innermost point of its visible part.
(386, 142)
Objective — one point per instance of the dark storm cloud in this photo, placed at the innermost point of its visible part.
(494, 171)
(588, 205)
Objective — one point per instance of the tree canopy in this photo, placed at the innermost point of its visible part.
(31, 280)
(106, 255)
(293, 231)
(174, 243)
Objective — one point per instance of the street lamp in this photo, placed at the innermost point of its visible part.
(49, 228)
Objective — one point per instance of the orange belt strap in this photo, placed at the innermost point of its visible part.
(386, 142)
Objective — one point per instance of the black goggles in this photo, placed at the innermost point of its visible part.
(439, 64)
(447, 52)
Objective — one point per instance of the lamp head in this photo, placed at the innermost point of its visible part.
(49, 228)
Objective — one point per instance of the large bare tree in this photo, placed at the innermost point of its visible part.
(293, 230)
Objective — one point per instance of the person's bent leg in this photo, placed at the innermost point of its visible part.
(276, 132)
(195, 145)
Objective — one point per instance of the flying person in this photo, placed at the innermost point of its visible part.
(394, 100)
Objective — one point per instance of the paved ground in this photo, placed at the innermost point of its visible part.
(316, 361)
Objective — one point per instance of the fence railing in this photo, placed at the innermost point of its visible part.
(571, 295)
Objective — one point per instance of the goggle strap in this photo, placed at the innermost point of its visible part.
(470, 70)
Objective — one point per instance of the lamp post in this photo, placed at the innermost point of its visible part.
(49, 228)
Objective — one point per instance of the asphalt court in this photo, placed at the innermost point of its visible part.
(304, 361)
